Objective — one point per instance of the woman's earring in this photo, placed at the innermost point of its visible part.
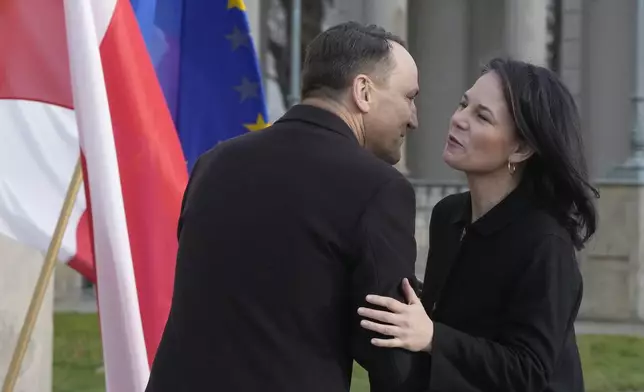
(512, 168)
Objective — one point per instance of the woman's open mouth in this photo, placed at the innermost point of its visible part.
(454, 141)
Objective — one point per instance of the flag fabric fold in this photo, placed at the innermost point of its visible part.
(111, 109)
(40, 141)
(207, 65)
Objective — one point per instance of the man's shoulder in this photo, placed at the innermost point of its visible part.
(352, 160)
(366, 164)
(226, 146)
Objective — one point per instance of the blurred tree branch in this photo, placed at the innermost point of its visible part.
(312, 16)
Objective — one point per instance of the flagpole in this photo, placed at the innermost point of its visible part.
(43, 280)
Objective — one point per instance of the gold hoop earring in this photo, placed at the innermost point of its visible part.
(512, 168)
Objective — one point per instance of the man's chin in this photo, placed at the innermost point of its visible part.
(391, 159)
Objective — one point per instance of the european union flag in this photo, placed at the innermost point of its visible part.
(207, 67)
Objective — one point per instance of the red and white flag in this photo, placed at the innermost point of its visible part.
(111, 106)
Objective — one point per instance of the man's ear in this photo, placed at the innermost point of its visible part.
(361, 92)
(521, 154)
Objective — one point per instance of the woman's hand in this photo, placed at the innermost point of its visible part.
(408, 324)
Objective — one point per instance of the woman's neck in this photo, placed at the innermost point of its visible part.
(489, 190)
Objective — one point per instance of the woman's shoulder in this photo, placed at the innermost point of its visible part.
(452, 205)
(542, 225)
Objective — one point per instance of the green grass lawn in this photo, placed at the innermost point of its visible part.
(77, 353)
(611, 363)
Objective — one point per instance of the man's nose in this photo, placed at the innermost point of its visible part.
(413, 121)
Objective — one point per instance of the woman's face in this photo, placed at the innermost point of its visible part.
(481, 137)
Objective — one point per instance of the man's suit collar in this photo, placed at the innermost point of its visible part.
(318, 117)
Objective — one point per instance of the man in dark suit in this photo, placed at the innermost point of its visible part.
(283, 233)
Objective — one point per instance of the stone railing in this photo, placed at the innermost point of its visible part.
(611, 264)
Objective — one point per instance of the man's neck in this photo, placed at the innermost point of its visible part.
(341, 111)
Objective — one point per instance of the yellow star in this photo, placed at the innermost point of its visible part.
(258, 125)
(237, 4)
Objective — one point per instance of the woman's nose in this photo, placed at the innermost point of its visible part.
(459, 120)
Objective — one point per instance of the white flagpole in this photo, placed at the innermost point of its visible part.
(125, 358)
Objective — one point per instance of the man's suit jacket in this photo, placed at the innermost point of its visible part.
(282, 234)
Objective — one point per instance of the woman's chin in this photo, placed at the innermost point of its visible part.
(451, 159)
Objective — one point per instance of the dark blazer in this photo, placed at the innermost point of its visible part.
(282, 234)
(503, 299)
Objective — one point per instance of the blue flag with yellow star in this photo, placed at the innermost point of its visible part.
(206, 64)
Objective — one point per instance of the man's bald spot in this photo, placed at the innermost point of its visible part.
(382, 70)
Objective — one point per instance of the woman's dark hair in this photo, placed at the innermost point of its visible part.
(546, 118)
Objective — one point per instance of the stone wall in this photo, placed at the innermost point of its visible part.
(612, 263)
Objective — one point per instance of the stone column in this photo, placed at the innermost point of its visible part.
(438, 40)
(254, 12)
(571, 64)
(526, 30)
(19, 270)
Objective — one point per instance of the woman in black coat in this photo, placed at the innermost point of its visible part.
(502, 286)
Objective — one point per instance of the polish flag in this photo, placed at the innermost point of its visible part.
(75, 78)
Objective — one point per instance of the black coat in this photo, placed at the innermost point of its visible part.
(503, 299)
(282, 234)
